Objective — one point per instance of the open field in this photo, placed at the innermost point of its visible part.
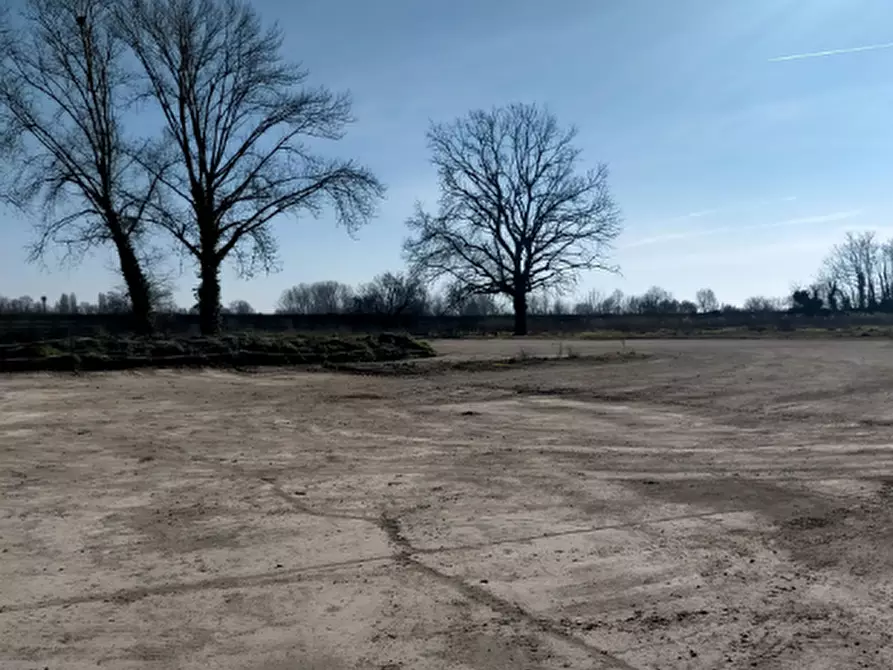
(719, 504)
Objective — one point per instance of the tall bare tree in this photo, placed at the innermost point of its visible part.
(857, 266)
(63, 91)
(237, 118)
(515, 215)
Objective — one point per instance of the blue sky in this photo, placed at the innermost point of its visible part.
(735, 166)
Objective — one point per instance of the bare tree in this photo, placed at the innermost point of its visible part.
(233, 158)
(706, 300)
(295, 300)
(392, 294)
(655, 300)
(515, 216)
(240, 307)
(63, 306)
(590, 304)
(759, 303)
(323, 297)
(613, 304)
(331, 297)
(885, 275)
(538, 303)
(559, 307)
(113, 302)
(859, 268)
(62, 94)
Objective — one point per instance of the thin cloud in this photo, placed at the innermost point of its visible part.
(690, 234)
(832, 52)
(752, 204)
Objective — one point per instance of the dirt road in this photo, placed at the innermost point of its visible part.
(721, 504)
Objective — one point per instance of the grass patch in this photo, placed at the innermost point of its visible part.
(237, 350)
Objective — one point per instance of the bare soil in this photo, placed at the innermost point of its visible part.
(719, 504)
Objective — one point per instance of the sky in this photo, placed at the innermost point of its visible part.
(744, 137)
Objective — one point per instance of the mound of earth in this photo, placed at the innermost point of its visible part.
(227, 350)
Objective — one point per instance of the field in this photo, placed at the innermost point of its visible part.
(714, 504)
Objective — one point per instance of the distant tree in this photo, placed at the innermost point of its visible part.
(330, 297)
(590, 304)
(828, 291)
(73, 306)
(613, 304)
(235, 117)
(479, 305)
(459, 301)
(22, 305)
(806, 302)
(761, 303)
(28, 304)
(325, 297)
(596, 302)
(655, 300)
(706, 300)
(862, 270)
(538, 303)
(515, 215)
(559, 307)
(392, 293)
(240, 307)
(63, 90)
(295, 300)
(118, 302)
(162, 296)
(63, 306)
(112, 302)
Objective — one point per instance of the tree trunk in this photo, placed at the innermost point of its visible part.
(137, 288)
(209, 297)
(519, 301)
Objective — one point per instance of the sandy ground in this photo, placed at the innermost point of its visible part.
(723, 504)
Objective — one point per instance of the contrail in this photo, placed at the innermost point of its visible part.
(832, 52)
(688, 234)
(749, 204)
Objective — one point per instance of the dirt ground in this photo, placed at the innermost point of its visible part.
(721, 504)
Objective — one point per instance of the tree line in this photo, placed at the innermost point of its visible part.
(856, 275)
(396, 293)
